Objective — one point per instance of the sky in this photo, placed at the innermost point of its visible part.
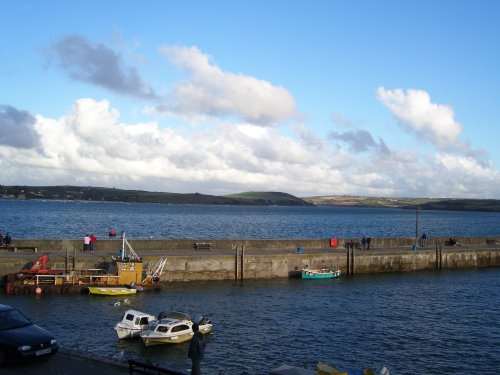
(329, 97)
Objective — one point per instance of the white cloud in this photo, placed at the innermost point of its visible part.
(90, 146)
(210, 91)
(432, 122)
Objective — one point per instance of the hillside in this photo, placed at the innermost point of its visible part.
(270, 198)
(118, 195)
(246, 198)
(487, 205)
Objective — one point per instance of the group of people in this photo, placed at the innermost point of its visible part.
(364, 244)
(89, 242)
(5, 241)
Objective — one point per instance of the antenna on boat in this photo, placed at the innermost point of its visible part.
(123, 254)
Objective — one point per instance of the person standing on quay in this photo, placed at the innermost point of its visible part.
(363, 243)
(93, 239)
(86, 243)
(368, 240)
(196, 350)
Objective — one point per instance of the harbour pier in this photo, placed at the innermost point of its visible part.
(233, 259)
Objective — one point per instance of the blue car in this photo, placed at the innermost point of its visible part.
(20, 339)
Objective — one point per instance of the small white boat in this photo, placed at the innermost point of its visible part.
(132, 323)
(173, 328)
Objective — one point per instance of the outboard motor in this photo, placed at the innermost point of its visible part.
(200, 319)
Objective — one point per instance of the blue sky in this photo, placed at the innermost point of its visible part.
(377, 98)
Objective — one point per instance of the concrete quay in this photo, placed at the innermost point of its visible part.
(68, 362)
(260, 259)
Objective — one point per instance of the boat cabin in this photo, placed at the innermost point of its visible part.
(137, 318)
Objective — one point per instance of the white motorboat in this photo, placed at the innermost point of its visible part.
(132, 323)
(173, 328)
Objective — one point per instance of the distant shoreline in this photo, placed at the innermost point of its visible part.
(100, 194)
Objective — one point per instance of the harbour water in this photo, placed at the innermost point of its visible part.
(56, 219)
(445, 322)
(438, 322)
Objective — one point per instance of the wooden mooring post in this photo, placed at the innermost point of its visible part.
(236, 264)
(439, 255)
(239, 263)
(350, 260)
(242, 263)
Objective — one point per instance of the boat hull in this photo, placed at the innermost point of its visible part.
(156, 339)
(160, 340)
(124, 332)
(309, 274)
(102, 291)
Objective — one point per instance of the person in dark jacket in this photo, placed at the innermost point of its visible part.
(196, 350)
(7, 239)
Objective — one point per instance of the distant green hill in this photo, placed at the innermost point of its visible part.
(252, 198)
(269, 198)
(118, 195)
(447, 204)
(486, 205)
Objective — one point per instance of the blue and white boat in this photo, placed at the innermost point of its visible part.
(321, 273)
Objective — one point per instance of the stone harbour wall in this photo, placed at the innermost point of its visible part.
(261, 259)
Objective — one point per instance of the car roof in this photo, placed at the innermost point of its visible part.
(5, 308)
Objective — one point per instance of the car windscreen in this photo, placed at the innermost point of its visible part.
(12, 319)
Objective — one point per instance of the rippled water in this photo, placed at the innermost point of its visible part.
(442, 322)
(54, 219)
(445, 322)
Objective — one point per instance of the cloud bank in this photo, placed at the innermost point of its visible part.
(90, 146)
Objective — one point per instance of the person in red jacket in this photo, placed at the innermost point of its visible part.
(93, 239)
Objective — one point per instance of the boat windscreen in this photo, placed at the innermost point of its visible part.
(177, 315)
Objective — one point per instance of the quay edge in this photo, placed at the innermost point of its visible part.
(262, 259)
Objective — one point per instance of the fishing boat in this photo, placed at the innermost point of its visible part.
(125, 275)
(132, 323)
(321, 273)
(173, 328)
(111, 291)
